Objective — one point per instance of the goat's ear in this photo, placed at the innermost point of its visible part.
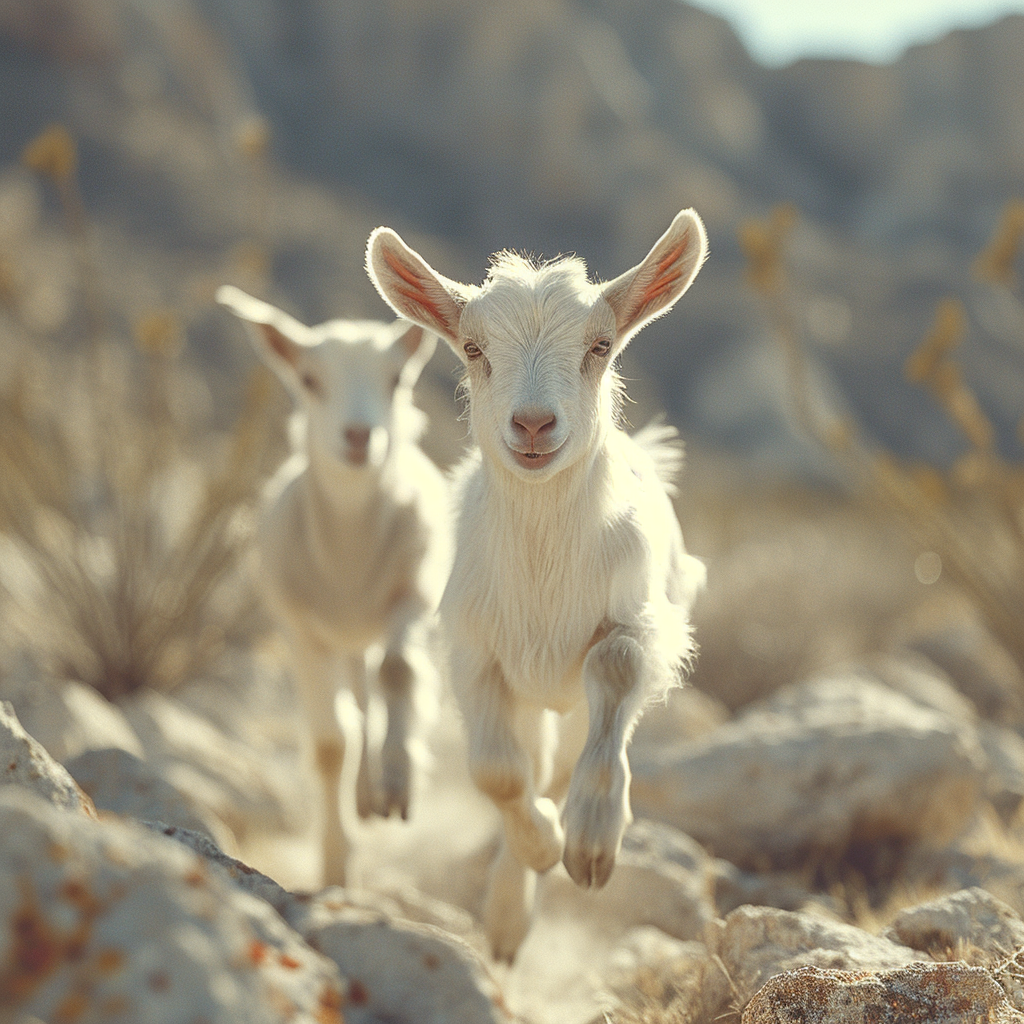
(278, 338)
(653, 286)
(412, 288)
(416, 345)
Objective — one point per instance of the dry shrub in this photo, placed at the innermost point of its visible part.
(124, 517)
(968, 517)
(124, 520)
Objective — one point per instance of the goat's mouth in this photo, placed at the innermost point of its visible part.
(533, 460)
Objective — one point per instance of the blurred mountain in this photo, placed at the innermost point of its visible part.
(550, 126)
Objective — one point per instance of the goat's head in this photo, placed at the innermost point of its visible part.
(538, 341)
(349, 377)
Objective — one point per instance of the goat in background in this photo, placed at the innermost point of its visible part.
(353, 548)
(567, 609)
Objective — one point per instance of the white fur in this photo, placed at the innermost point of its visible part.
(354, 547)
(567, 607)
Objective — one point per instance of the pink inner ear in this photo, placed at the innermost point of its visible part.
(278, 343)
(416, 294)
(664, 279)
(412, 339)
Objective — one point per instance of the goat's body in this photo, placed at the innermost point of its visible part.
(353, 550)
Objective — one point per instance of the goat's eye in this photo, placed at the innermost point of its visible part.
(472, 350)
(601, 347)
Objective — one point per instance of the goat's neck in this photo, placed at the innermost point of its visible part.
(568, 494)
(335, 490)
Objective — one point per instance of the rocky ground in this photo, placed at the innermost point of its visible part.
(845, 843)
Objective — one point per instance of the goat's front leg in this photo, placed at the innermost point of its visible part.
(597, 808)
(356, 669)
(509, 747)
(402, 672)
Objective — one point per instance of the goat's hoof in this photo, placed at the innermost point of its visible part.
(335, 871)
(589, 868)
(593, 836)
(508, 907)
(366, 804)
(396, 782)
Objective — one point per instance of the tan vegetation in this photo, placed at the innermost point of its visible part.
(969, 516)
(124, 516)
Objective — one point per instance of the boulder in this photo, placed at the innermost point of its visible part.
(244, 877)
(962, 924)
(958, 866)
(685, 714)
(105, 921)
(754, 944)
(398, 970)
(980, 667)
(219, 772)
(818, 766)
(1004, 784)
(943, 993)
(65, 716)
(661, 878)
(123, 784)
(24, 763)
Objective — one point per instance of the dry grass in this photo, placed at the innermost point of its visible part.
(969, 516)
(124, 518)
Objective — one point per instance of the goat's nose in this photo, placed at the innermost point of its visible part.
(357, 436)
(536, 422)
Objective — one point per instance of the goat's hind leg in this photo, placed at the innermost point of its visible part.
(405, 681)
(366, 804)
(509, 751)
(316, 688)
(508, 903)
(396, 681)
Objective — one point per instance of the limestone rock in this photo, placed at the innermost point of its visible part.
(104, 921)
(913, 675)
(980, 668)
(1004, 785)
(661, 878)
(961, 924)
(817, 766)
(244, 877)
(942, 993)
(400, 971)
(24, 762)
(124, 784)
(67, 717)
(218, 771)
(686, 714)
(756, 943)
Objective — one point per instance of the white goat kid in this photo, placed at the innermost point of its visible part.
(571, 588)
(353, 546)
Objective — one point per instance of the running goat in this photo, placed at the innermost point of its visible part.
(567, 610)
(354, 548)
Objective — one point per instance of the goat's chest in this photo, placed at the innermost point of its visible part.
(343, 576)
(534, 596)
